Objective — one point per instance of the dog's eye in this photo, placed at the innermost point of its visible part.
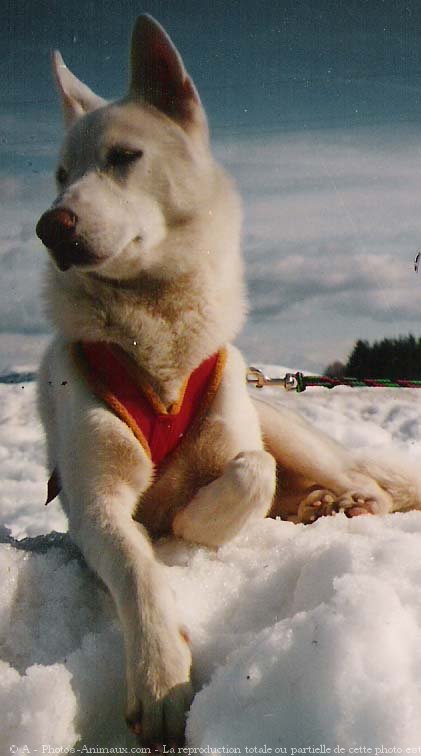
(119, 157)
(61, 175)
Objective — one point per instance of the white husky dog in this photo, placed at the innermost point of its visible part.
(145, 289)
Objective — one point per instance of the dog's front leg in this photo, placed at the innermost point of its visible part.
(219, 510)
(104, 471)
(158, 659)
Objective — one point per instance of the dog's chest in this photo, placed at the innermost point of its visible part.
(199, 460)
(112, 377)
(178, 440)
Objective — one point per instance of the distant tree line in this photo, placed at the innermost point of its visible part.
(389, 358)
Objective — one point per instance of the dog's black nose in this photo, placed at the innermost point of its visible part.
(56, 228)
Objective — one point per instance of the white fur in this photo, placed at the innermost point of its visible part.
(166, 287)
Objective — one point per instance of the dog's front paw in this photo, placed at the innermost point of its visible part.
(160, 697)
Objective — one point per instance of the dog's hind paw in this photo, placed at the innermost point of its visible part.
(324, 503)
(319, 503)
(355, 503)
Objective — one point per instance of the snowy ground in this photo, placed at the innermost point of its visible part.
(302, 636)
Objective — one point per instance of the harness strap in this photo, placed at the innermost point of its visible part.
(110, 375)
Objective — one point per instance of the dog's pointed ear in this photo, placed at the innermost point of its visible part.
(158, 76)
(77, 99)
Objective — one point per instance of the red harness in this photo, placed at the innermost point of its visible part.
(110, 375)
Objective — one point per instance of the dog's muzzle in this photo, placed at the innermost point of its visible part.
(57, 229)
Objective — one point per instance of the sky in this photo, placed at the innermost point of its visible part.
(314, 107)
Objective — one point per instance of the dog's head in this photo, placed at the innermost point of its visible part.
(131, 173)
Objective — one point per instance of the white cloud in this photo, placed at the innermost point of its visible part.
(332, 227)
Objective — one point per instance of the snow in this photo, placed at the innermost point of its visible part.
(23, 491)
(301, 636)
(321, 638)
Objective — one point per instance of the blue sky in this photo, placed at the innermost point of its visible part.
(260, 66)
(316, 109)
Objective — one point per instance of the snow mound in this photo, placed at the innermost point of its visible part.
(320, 631)
(23, 474)
(62, 668)
(301, 636)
